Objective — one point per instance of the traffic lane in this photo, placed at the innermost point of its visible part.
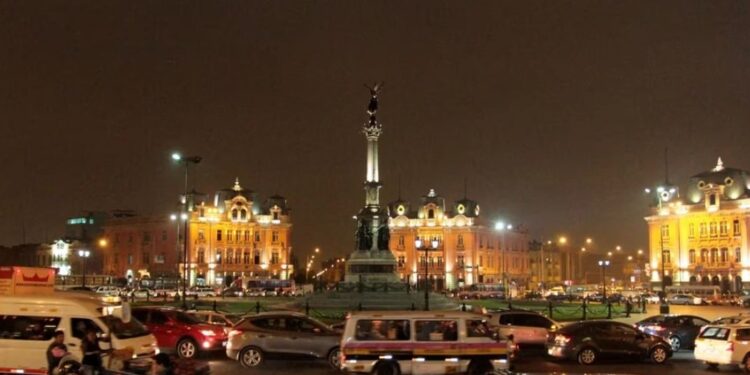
(682, 363)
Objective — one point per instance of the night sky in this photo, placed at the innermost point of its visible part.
(557, 113)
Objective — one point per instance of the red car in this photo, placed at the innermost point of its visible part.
(178, 331)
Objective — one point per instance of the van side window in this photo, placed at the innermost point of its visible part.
(15, 327)
(81, 326)
(436, 330)
(377, 329)
(743, 334)
(506, 319)
(477, 328)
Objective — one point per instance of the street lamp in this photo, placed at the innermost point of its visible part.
(604, 264)
(419, 245)
(84, 255)
(309, 261)
(186, 161)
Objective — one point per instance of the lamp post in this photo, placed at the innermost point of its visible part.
(186, 161)
(84, 255)
(604, 264)
(308, 263)
(419, 245)
(663, 194)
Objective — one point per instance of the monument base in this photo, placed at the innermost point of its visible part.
(371, 267)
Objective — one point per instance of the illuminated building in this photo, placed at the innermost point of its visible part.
(237, 238)
(553, 266)
(468, 251)
(233, 238)
(702, 236)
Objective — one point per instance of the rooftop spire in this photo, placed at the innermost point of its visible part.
(237, 186)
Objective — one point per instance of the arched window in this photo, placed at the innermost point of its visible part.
(691, 256)
(714, 255)
(234, 214)
(243, 214)
(218, 256)
(704, 255)
(431, 213)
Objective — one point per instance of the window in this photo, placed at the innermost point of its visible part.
(460, 240)
(243, 214)
(743, 334)
(665, 231)
(246, 257)
(430, 213)
(159, 258)
(218, 256)
(422, 261)
(229, 236)
(230, 255)
(158, 317)
(146, 258)
(724, 228)
(401, 261)
(724, 255)
(237, 256)
(81, 326)
(460, 260)
(440, 261)
(704, 255)
(201, 256)
(201, 236)
(247, 236)
(257, 236)
(666, 257)
(691, 256)
(276, 215)
(401, 241)
(391, 330)
(703, 229)
(712, 199)
(738, 255)
(274, 258)
(481, 264)
(714, 255)
(477, 328)
(436, 330)
(218, 235)
(237, 236)
(19, 327)
(712, 229)
(715, 333)
(274, 236)
(736, 227)
(256, 257)
(691, 230)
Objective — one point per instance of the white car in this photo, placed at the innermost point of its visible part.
(684, 299)
(202, 291)
(108, 290)
(526, 327)
(724, 345)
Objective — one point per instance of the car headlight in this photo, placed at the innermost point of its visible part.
(208, 332)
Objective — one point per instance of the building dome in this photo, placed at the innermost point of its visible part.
(734, 183)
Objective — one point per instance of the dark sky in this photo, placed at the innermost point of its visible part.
(556, 112)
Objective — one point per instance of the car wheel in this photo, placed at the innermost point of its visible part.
(712, 366)
(587, 356)
(334, 359)
(385, 368)
(186, 348)
(251, 357)
(480, 368)
(659, 354)
(675, 343)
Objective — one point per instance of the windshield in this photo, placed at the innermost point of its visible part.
(122, 330)
(183, 318)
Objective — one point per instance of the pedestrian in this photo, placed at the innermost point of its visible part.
(56, 351)
(92, 353)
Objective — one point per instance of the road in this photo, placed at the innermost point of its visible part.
(534, 361)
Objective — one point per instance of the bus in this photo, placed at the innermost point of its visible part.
(708, 293)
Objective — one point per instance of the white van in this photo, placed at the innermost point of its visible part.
(28, 323)
(414, 342)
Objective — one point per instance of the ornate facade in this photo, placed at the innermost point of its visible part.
(702, 236)
(238, 238)
(467, 252)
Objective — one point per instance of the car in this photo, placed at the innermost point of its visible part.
(178, 331)
(679, 330)
(590, 340)
(526, 327)
(108, 290)
(201, 291)
(724, 345)
(282, 334)
(651, 298)
(255, 292)
(684, 299)
(142, 293)
(233, 291)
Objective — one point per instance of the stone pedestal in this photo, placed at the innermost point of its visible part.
(371, 266)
